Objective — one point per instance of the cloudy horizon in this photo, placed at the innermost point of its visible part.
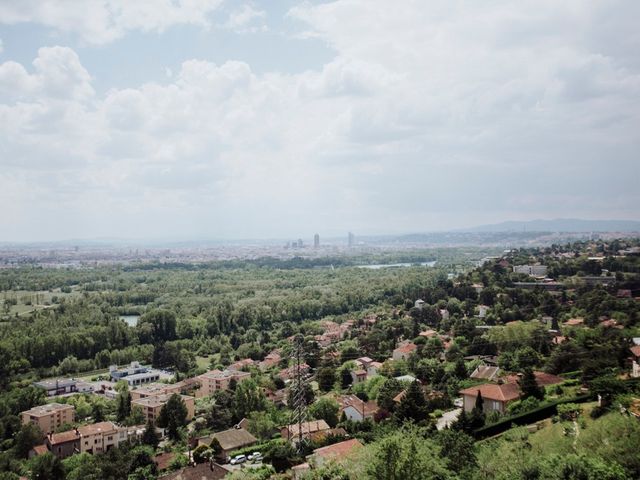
(218, 119)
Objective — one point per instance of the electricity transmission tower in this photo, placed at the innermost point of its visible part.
(299, 383)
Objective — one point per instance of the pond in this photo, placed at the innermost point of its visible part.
(131, 320)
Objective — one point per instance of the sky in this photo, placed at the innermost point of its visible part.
(192, 119)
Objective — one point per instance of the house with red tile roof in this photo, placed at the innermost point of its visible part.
(496, 396)
(338, 452)
(404, 351)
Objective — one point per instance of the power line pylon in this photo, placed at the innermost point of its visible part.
(299, 383)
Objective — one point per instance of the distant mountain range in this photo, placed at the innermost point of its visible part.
(561, 225)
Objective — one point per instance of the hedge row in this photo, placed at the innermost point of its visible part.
(545, 411)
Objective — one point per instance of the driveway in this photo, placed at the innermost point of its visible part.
(448, 418)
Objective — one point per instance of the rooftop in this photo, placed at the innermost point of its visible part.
(97, 428)
(234, 438)
(48, 409)
(338, 450)
(63, 437)
(501, 392)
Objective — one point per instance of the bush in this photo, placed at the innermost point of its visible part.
(598, 411)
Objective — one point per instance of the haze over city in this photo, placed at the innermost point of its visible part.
(228, 120)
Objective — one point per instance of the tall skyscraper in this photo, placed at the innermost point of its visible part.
(316, 241)
(352, 239)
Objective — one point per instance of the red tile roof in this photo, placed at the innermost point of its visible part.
(635, 350)
(501, 392)
(338, 450)
(406, 348)
(63, 437)
(40, 449)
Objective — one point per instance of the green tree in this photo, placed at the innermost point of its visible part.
(388, 390)
(458, 449)
(326, 378)
(201, 454)
(261, 425)
(247, 398)
(173, 416)
(216, 448)
(413, 405)
(47, 467)
(325, 409)
(150, 436)
(529, 385)
(28, 437)
(123, 405)
(404, 455)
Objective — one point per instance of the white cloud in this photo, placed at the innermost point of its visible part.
(103, 21)
(247, 19)
(428, 116)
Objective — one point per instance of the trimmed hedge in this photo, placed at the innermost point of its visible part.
(545, 411)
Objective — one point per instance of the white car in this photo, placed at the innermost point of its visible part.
(255, 457)
(238, 459)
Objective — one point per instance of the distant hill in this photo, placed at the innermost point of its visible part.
(561, 225)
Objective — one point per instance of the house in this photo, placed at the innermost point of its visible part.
(100, 437)
(215, 380)
(203, 471)
(364, 362)
(230, 440)
(531, 270)
(38, 450)
(163, 460)
(496, 396)
(574, 322)
(485, 372)
(64, 444)
(373, 368)
(419, 304)
(291, 432)
(59, 386)
(356, 409)
(428, 334)
(288, 373)
(635, 361)
(358, 376)
(404, 351)
(49, 417)
(241, 364)
(338, 452)
(271, 360)
(151, 406)
(543, 379)
(482, 311)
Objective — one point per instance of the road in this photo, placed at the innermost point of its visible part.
(448, 418)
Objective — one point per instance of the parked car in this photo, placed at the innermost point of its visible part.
(238, 459)
(255, 456)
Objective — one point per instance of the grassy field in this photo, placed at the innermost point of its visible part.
(28, 301)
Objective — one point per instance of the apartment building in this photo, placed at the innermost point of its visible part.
(215, 380)
(49, 417)
(151, 406)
